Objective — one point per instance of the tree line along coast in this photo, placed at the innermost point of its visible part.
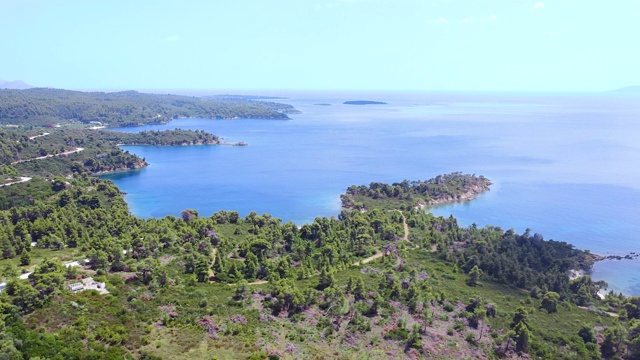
(383, 275)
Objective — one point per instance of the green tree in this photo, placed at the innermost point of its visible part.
(414, 340)
(520, 326)
(242, 291)
(477, 318)
(587, 334)
(25, 258)
(23, 295)
(48, 277)
(522, 337)
(326, 279)
(146, 270)
(633, 339)
(550, 301)
(613, 340)
(202, 266)
(357, 288)
(474, 276)
(58, 183)
(8, 350)
(9, 271)
(7, 249)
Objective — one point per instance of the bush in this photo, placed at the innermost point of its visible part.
(550, 301)
(397, 334)
(471, 339)
(459, 326)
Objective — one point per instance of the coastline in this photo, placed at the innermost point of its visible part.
(527, 216)
(140, 166)
(469, 195)
(107, 172)
(166, 121)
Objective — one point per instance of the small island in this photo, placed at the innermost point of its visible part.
(443, 189)
(364, 102)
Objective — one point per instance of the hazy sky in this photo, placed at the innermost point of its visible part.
(331, 44)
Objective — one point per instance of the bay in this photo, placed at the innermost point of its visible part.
(563, 165)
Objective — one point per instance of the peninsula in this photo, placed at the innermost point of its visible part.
(68, 150)
(443, 189)
(44, 106)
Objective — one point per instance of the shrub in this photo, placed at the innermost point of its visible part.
(397, 334)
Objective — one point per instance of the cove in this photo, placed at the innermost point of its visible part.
(563, 165)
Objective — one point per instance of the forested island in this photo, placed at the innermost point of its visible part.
(443, 189)
(44, 106)
(82, 278)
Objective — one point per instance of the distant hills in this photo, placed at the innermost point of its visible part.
(17, 85)
(42, 106)
(629, 89)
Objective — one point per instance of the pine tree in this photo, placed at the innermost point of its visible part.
(25, 258)
(474, 276)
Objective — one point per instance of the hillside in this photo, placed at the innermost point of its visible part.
(67, 150)
(16, 85)
(42, 106)
(397, 283)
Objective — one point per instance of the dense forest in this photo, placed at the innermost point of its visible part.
(82, 278)
(42, 106)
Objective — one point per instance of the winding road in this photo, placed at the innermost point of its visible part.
(22, 179)
(69, 152)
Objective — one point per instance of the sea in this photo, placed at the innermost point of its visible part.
(564, 165)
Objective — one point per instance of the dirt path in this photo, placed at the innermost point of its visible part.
(22, 179)
(259, 282)
(377, 255)
(50, 155)
(37, 136)
(380, 254)
(606, 312)
(406, 226)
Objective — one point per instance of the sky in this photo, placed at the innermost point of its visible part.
(430, 45)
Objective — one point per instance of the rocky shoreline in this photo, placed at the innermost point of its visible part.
(629, 256)
(136, 166)
(471, 194)
(443, 189)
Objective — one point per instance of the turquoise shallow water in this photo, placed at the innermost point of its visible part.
(564, 165)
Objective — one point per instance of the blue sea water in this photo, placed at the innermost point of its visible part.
(563, 165)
